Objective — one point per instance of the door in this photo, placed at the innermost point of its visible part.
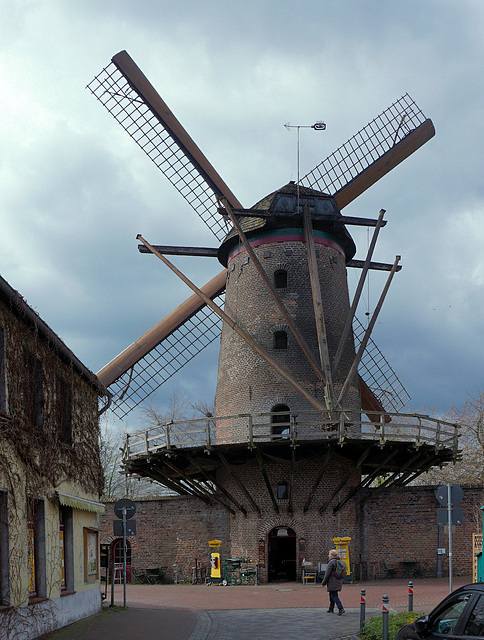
(282, 555)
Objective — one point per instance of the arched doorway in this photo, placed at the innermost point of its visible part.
(118, 556)
(282, 554)
(280, 421)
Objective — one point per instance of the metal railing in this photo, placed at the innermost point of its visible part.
(303, 426)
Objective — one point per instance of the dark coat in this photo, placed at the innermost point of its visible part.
(333, 583)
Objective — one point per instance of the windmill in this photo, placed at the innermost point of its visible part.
(294, 393)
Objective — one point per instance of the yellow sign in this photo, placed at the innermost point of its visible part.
(215, 543)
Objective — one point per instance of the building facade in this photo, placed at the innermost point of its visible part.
(50, 477)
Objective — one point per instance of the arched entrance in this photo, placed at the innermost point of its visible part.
(117, 550)
(282, 554)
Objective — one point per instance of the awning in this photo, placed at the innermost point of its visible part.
(80, 503)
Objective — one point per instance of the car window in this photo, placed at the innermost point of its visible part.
(475, 623)
(447, 618)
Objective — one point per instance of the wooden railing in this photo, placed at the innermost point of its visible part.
(297, 428)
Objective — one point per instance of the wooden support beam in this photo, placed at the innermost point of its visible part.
(318, 308)
(172, 483)
(355, 466)
(238, 481)
(376, 266)
(349, 318)
(219, 487)
(232, 324)
(195, 487)
(366, 481)
(204, 252)
(266, 480)
(366, 337)
(321, 473)
(318, 217)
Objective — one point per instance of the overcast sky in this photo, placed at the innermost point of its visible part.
(75, 189)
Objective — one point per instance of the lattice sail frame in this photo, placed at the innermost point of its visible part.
(365, 147)
(176, 350)
(165, 359)
(125, 104)
(378, 375)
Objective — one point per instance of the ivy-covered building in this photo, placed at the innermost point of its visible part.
(50, 476)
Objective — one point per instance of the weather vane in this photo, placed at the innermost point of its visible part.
(317, 126)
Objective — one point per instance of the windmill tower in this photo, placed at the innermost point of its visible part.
(298, 433)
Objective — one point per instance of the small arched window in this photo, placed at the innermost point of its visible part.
(280, 340)
(280, 420)
(280, 279)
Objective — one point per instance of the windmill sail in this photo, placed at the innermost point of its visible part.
(130, 98)
(126, 93)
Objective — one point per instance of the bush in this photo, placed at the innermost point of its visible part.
(373, 628)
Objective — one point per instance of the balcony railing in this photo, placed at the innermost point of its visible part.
(303, 426)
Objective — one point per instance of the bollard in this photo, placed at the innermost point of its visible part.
(384, 609)
(410, 596)
(362, 608)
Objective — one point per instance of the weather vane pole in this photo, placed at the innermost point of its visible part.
(317, 126)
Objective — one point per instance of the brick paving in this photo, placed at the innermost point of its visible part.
(274, 611)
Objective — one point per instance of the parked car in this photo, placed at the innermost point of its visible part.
(459, 615)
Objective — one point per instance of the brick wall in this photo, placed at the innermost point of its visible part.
(396, 524)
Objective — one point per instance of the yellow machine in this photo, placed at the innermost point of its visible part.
(342, 546)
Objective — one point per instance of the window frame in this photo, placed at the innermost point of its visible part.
(91, 554)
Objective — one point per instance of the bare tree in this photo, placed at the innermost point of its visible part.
(469, 469)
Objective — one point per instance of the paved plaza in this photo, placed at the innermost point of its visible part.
(274, 611)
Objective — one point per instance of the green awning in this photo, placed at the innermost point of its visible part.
(80, 503)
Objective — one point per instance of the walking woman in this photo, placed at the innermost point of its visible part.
(333, 578)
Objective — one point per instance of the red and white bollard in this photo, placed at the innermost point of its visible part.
(410, 596)
(385, 609)
(362, 607)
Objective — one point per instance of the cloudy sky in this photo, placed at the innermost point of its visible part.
(75, 189)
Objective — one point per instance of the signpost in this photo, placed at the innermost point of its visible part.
(124, 509)
(449, 514)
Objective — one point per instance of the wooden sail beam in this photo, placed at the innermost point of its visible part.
(162, 112)
(383, 165)
(266, 480)
(355, 466)
(149, 340)
(219, 487)
(366, 481)
(315, 486)
(233, 325)
(240, 484)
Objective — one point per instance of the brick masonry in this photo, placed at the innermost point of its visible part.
(394, 524)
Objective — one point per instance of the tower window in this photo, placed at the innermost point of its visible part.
(280, 340)
(282, 491)
(280, 279)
